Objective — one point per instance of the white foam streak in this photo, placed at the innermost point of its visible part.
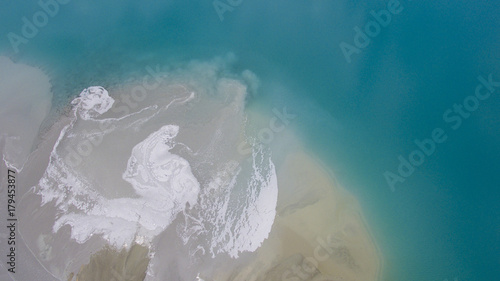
(252, 226)
(163, 181)
(92, 102)
(231, 212)
(159, 175)
(235, 213)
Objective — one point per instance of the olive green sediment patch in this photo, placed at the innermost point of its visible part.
(113, 265)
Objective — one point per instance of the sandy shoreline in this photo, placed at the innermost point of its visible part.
(319, 232)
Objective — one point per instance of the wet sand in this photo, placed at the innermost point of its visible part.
(114, 264)
(319, 232)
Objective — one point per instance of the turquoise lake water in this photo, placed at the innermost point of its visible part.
(443, 221)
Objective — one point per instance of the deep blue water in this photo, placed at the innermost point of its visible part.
(442, 222)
